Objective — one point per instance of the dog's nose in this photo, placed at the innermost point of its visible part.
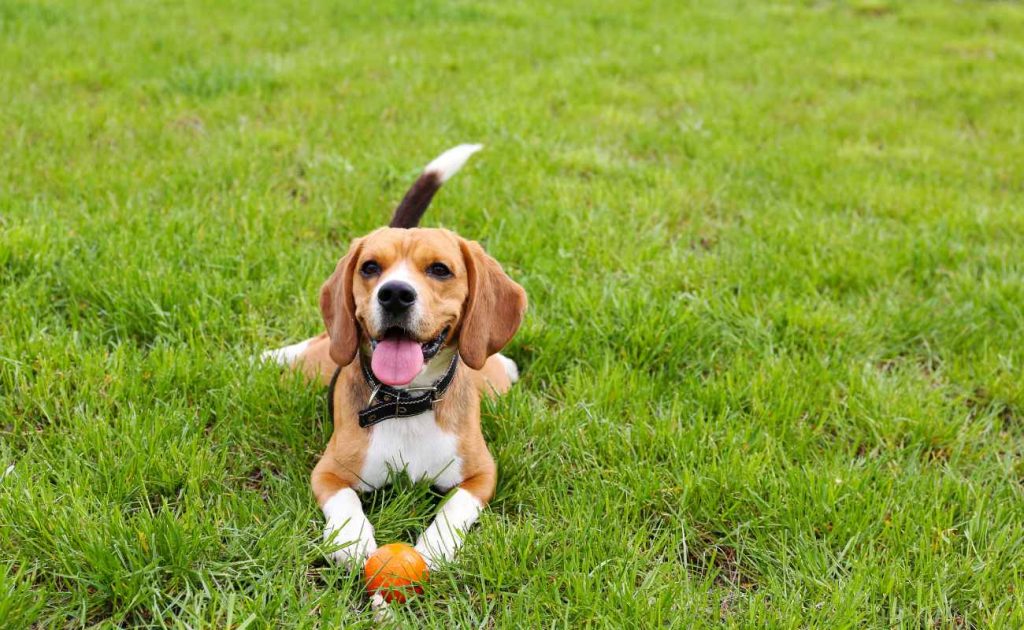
(396, 297)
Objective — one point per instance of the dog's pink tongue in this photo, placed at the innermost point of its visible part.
(397, 361)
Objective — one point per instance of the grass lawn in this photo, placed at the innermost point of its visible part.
(772, 366)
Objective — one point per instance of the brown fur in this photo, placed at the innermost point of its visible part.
(416, 201)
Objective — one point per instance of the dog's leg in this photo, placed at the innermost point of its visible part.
(443, 538)
(497, 375)
(287, 355)
(511, 369)
(312, 356)
(347, 525)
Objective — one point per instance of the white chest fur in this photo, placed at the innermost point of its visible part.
(416, 446)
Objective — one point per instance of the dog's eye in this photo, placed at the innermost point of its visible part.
(439, 270)
(369, 269)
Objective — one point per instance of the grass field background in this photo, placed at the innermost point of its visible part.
(772, 366)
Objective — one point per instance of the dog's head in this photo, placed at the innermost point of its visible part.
(404, 294)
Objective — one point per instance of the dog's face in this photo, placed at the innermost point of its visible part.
(404, 294)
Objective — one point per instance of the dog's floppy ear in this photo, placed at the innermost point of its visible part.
(494, 308)
(338, 307)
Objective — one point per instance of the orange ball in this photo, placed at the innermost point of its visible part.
(396, 571)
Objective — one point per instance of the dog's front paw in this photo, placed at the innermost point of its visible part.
(351, 552)
(440, 542)
(436, 550)
(427, 553)
(348, 529)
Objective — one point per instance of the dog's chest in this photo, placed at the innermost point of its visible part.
(415, 445)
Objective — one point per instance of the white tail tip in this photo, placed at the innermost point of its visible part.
(449, 162)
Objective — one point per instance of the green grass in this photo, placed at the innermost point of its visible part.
(772, 366)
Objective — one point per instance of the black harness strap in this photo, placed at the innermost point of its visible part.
(388, 402)
(330, 395)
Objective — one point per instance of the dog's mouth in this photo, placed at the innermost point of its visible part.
(398, 357)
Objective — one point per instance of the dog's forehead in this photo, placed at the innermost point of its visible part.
(399, 243)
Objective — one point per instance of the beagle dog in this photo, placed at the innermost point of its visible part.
(415, 318)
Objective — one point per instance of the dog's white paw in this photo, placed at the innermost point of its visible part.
(348, 528)
(352, 552)
(353, 555)
(510, 367)
(443, 538)
(286, 355)
(428, 555)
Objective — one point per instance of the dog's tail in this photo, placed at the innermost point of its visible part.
(416, 201)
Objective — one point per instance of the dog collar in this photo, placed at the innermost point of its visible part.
(388, 402)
